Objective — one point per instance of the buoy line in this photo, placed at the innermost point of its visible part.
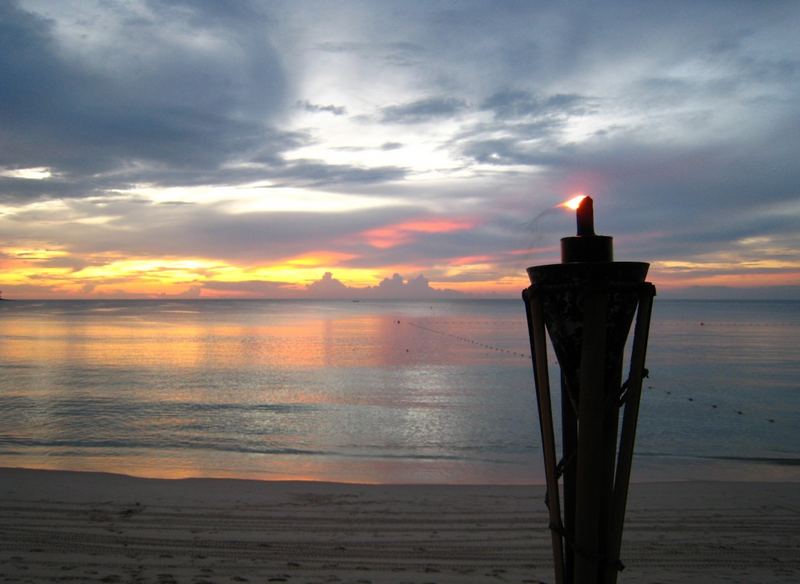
(470, 341)
(464, 339)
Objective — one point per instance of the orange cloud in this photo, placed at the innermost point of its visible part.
(471, 260)
(319, 258)
(742, 280)
(729, 270)
(400, 233)
(506, 285)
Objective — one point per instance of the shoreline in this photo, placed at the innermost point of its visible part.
(658, 479)
(103, 527)
(647, 469)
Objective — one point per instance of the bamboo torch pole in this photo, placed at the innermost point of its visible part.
(628, 435)
(569, 445)
(533, 308)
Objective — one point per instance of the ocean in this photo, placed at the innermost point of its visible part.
(374, 392)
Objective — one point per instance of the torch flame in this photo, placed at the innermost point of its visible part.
(574, 202)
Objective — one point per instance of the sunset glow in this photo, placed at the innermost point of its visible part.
(295, 165)
(394, 235)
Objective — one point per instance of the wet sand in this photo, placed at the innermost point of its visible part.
(89, 527)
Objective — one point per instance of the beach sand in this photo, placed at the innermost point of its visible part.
(90, 527)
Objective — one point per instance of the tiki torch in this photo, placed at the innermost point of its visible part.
(587, 304)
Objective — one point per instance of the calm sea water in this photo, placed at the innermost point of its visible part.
(373, 391)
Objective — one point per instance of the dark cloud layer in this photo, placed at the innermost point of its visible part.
(183, 108)
(423, 110)
(511, 103)
(306, 105)
(168, 113)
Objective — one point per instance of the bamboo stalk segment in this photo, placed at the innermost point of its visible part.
(539, 350)
(628, 433)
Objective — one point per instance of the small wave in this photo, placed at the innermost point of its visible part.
(100, 447)
(762, 459)
(107, 405)
(777, 460)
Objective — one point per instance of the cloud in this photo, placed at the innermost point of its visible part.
(152, 96)
(395, 54)
(527, 129)
(315, 108)
(419, 287)
(304, 172)
(136, 227)
(511, 103)
(249, 289)
(181, 95)
(423, 110)
(329, 287)
(401, 233)
(394, 288)
(532, 148)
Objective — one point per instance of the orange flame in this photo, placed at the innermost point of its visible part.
(574, 202)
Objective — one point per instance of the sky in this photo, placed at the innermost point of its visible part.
(401, 149)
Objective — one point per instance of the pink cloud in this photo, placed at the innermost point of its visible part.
(400, 233)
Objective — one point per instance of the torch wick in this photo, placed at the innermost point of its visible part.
(585, 216)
